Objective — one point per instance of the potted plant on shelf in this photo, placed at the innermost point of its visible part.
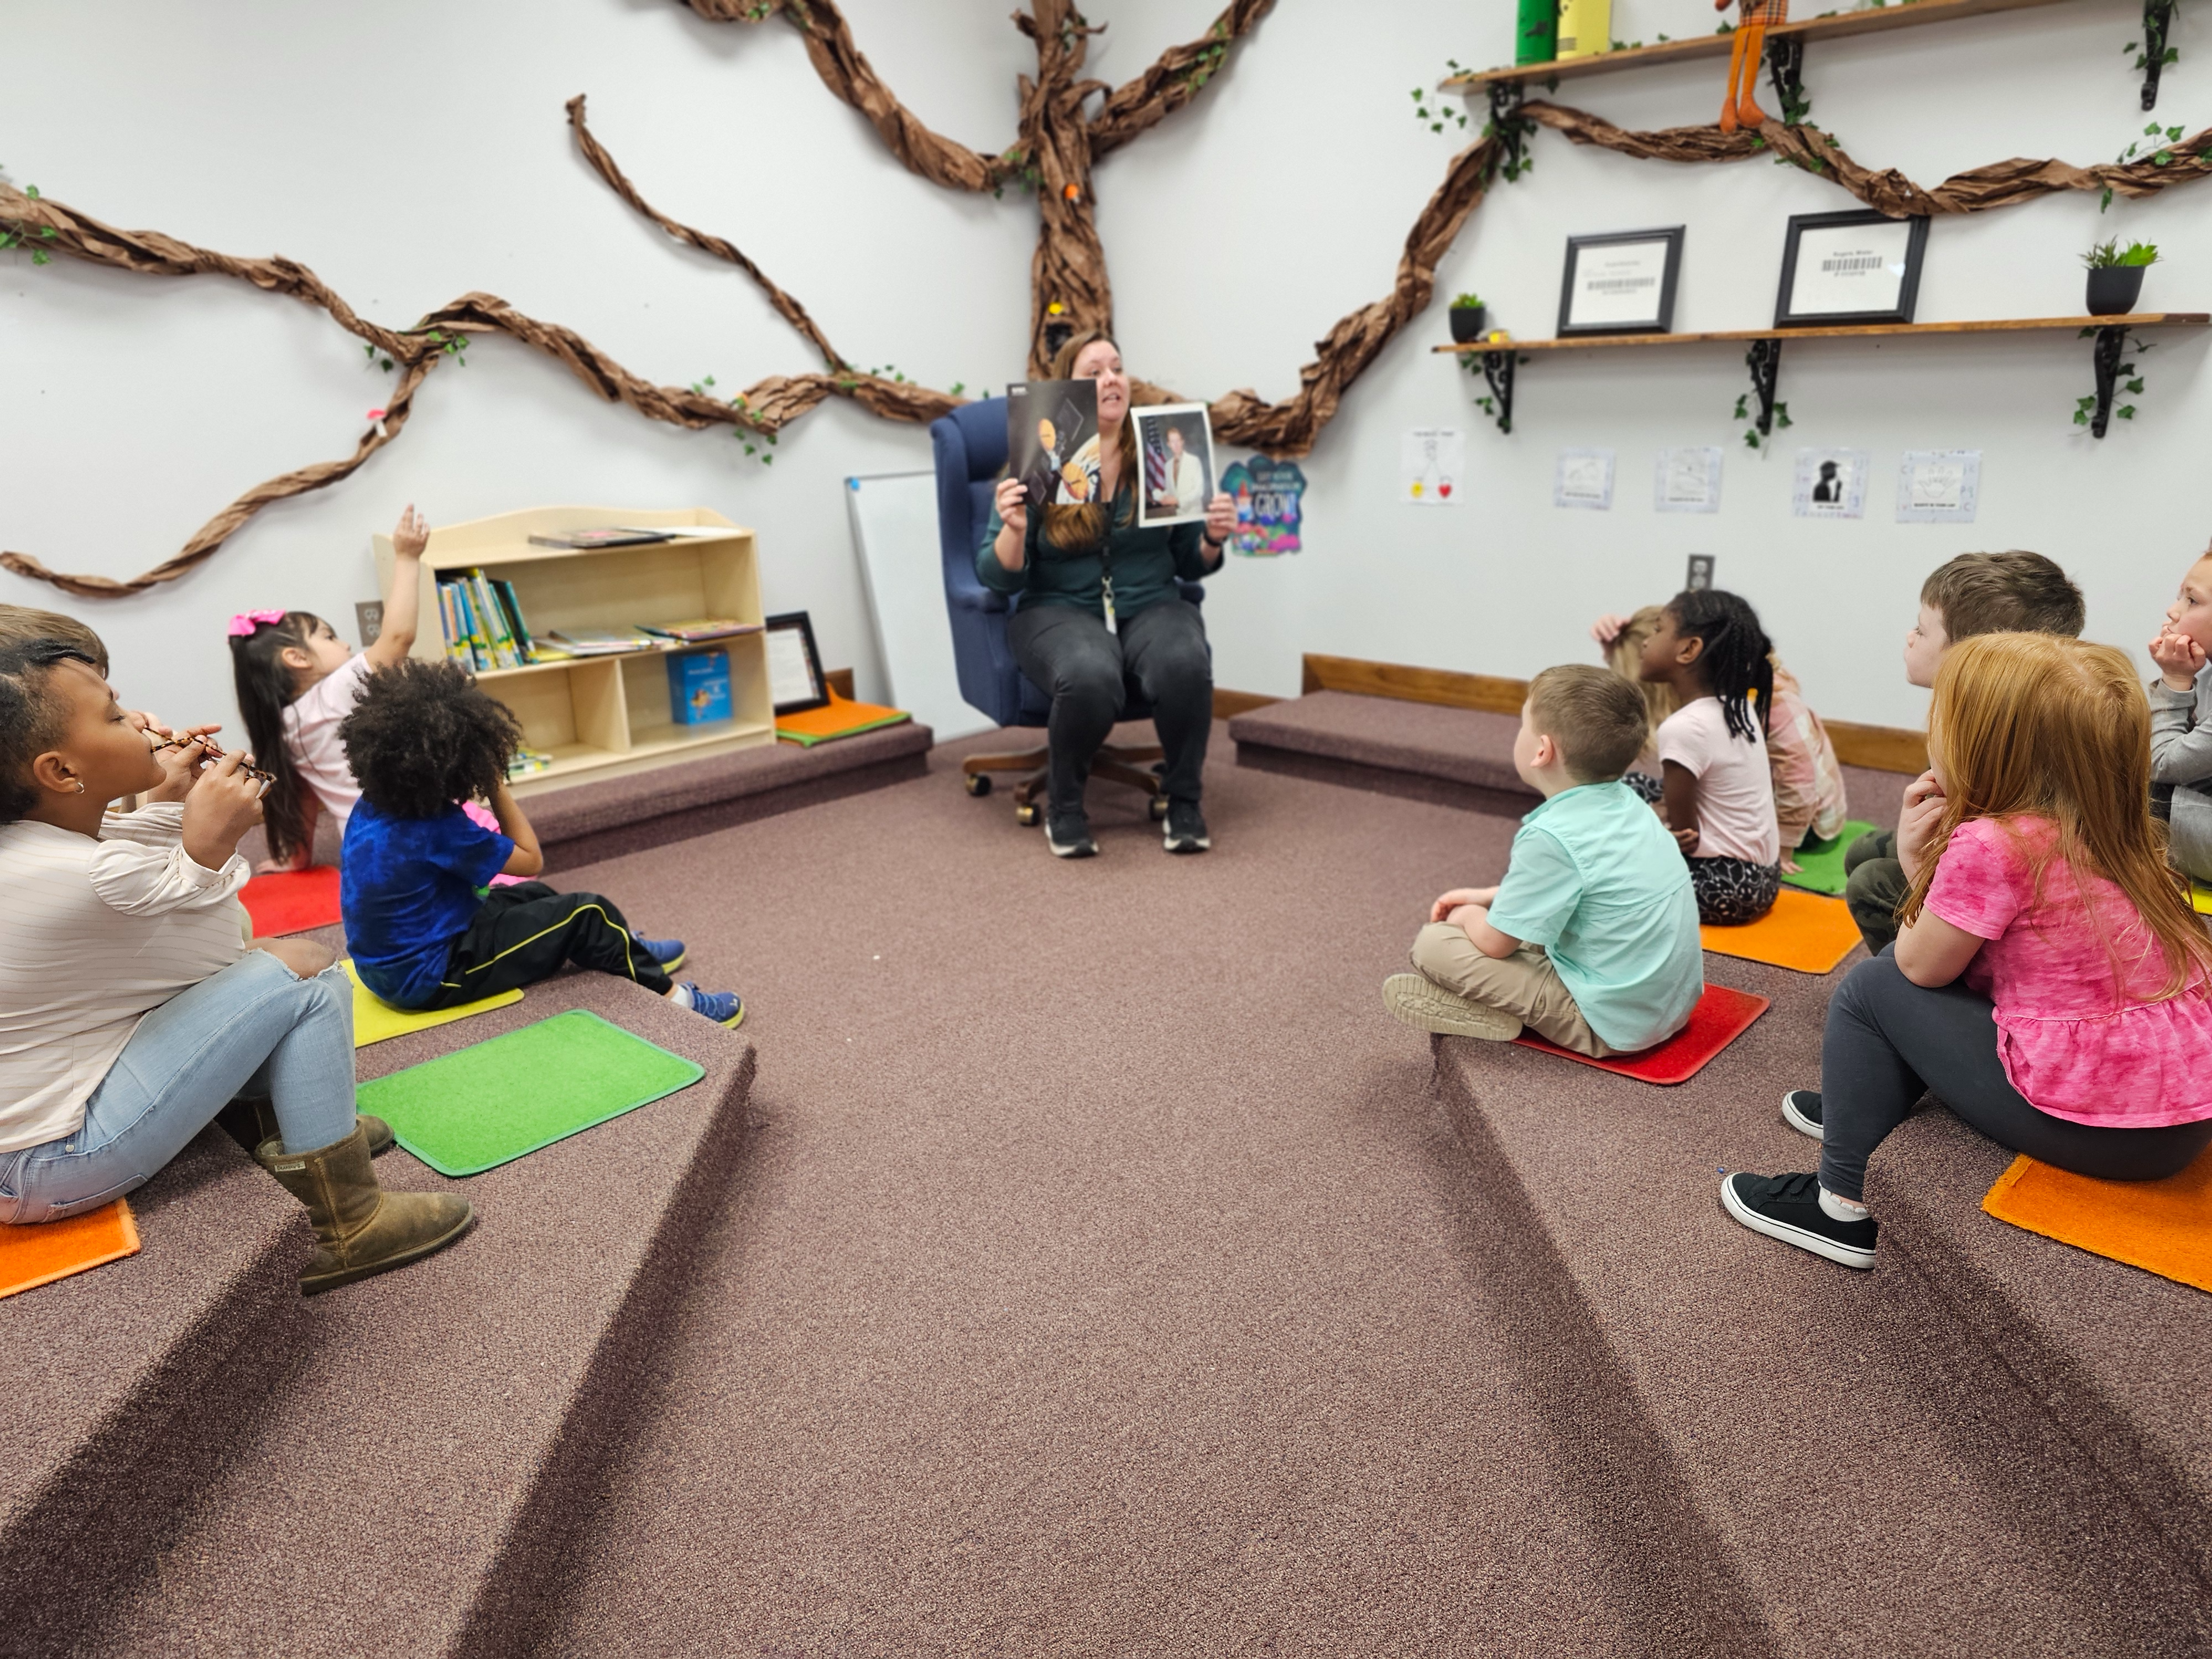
(1467, 312)
(2116, 276)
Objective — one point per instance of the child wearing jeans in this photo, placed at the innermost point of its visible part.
(2049, 982)
(296, 680)
(2181, 722)
(1592, 938)
(426, 928)
(1716, 789)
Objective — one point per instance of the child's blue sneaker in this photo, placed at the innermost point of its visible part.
(668, 952)
(723, 1007)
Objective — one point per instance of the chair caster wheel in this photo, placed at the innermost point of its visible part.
(1028, 816)
(978, 784)
(1157, 808)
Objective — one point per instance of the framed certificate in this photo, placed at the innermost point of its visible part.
(1856, 267)
(1621, 283)
(795, 680)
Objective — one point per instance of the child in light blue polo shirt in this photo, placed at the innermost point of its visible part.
(1592, 938)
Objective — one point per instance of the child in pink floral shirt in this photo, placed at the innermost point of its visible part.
(2049, 984)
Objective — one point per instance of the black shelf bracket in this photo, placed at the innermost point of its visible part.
(1785, 67)
(1765, 361)
(2111, 344)
(1497, 369)
(1505, 97)
(2158, 20)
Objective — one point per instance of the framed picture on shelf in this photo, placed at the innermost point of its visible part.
(1850, 268)
(795, 680)
(1620, 283)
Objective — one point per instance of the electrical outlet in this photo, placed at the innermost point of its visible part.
(368, 617)
(1701, 576)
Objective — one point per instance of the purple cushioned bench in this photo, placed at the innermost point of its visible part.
(1450, 756)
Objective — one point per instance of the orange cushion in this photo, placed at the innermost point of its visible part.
(1803, 931)
(31, 1256)
(2163, 1227)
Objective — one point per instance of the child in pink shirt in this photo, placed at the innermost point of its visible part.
(2049, 984)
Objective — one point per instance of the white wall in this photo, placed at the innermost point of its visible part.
(1238, 232)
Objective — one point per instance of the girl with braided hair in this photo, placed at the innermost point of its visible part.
(1715, 792)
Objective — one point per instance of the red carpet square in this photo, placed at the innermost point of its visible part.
(31, 1256)
(294, 902)
(1721, 1017)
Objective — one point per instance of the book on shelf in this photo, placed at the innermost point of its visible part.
(587, 539)
(600, 641)
(520, 630)
(494, 621)
(527, 762)
(681, 532)
(700, 628)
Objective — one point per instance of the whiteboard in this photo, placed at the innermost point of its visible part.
(893, 517)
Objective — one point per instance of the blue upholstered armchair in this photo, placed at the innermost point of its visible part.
(971, 445)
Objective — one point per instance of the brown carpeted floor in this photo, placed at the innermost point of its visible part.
(1102, 1279)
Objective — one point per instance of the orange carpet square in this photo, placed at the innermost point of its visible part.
(31, 1256)
(1721, 1017)
(1803, 931)
(292, 903)
(2163, 1227)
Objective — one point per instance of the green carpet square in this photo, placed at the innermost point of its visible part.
(1821, 867)
(498, 1100)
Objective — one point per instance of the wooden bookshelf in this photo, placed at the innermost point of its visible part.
(1831, 26)
(604, 717)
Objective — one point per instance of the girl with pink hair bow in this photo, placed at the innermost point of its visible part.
(296, 679)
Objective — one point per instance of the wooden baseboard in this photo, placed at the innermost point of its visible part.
(1879, 748)
(1227, 705)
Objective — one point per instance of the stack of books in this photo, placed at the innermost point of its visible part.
(482, 622)
(701, 628)
(526, 761)
(600, 641)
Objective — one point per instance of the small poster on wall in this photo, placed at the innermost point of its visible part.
(1175, 441)
(1939, 486)
(1688, 481)
(1270, 497)
(1584, 479)
(1831, 483)
(1430, 459)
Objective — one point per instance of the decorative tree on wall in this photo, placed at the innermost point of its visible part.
(1061, 138)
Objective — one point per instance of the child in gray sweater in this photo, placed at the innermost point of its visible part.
(2181, 719)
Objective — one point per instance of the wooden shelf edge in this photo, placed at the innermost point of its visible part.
(1832, 26)
(1857, 331)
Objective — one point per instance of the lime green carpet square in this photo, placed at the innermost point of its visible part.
(1821, 866)
(494, 1101)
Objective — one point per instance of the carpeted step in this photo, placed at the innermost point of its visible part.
(2120, 1359)
(411, 1480)
(113, 1384)
(1878, 1483)
(581, 823)
(1450, 756)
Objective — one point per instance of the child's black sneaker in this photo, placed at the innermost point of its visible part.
(668, 952)
(1069, 838)
(1801, 1110)
(1186, 830)
(1788, 1207)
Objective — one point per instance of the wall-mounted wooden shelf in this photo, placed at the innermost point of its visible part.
(606, 716)
(1835, 26)
(1500, 360)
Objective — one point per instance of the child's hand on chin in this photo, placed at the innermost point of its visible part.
(2179, 657)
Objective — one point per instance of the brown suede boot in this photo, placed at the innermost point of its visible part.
(380, 1140)
(360, 1229)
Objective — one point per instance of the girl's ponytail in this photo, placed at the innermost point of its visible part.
(264, 685)
(1738, 657)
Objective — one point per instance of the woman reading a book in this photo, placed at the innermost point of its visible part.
(1097, 612)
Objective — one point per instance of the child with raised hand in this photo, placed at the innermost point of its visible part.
(1810, 802)
(2181, 722)
(1592, 938)
(1715, 789)
(296, 680)
(426, 928)
(2049, 983)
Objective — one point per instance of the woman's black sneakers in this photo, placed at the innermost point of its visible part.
(1069, 838)
(1788, 1207)
(1186, 830)
(1801, 1110)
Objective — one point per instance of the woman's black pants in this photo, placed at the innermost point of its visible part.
(1889, 1041)
(1087, 672)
